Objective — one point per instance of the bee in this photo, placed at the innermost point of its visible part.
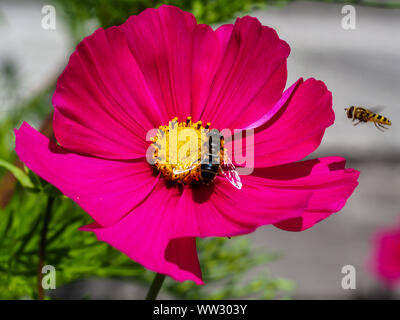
(366, 115)
(211, 164)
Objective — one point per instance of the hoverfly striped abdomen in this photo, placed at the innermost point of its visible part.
(381, 119)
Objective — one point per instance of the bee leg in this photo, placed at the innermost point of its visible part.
(357, 123)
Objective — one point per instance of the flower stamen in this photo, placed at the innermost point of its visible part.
(179, 148)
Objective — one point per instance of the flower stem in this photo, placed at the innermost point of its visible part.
(155, 287)
(42, 246)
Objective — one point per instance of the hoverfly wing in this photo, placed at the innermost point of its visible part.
(376, 109)
(191, 167)
(228, 170)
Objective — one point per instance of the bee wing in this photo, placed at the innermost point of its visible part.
(376, 109)
(228, 170)
(192, 166)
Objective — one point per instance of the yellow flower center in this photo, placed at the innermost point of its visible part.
(180, 148)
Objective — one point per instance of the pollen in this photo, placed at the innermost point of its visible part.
(179, 148)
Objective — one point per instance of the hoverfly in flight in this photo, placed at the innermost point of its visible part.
(367, 115)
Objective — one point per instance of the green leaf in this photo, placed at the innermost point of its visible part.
(19, 174)
(50, 190)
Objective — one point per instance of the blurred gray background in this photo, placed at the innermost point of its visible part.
(359, 66)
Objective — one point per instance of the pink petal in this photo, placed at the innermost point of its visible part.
(224, 34)
(102, 104)
(149, 235)
(385, 261)
(222, 210)
(280, 104)
(106, 189)
(292, 197)
(159, 233)
(295, 129)
(164, 65)
(207, 54)
(178, 58)
(329, 183)
(251, 77)
(192, 70)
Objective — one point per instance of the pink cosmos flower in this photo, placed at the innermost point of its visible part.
(385, 260)
(123, 81)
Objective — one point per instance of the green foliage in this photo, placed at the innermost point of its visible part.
(35, 109)
(74, 254)
(105, 13)
(226, 264)
(21, 175)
